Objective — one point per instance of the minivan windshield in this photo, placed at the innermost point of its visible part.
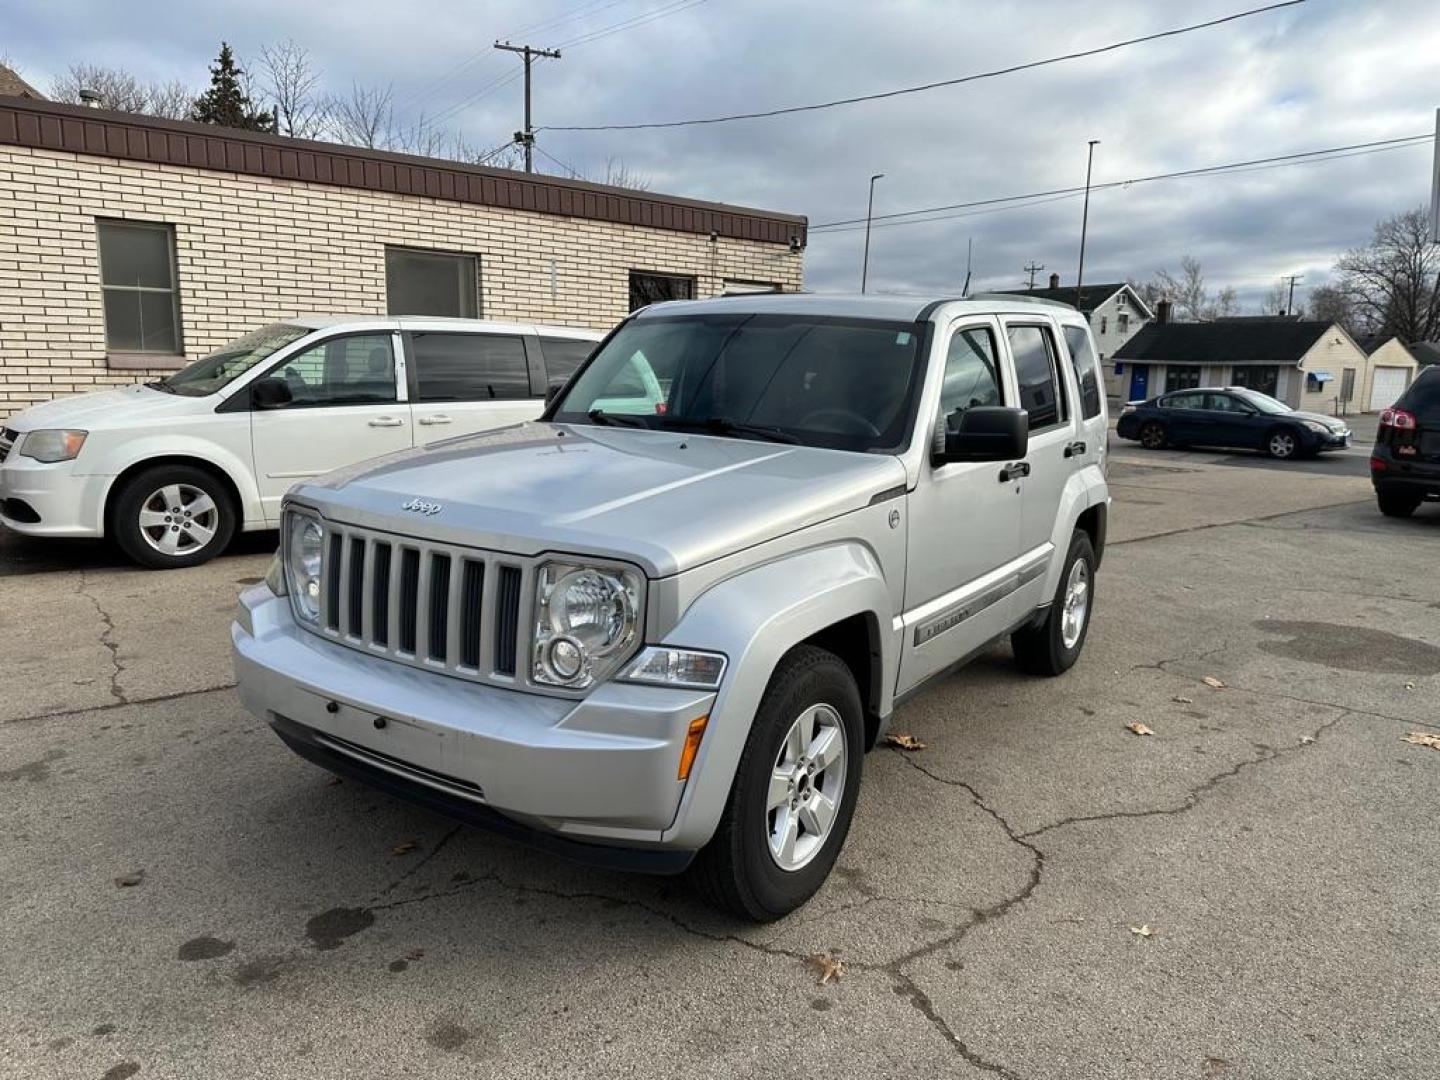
(229, 362)
(1264, 402)
(839, 383)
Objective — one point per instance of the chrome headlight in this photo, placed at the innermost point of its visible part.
(585, 623)
(304, 563)
(51, 445)
(275, 575)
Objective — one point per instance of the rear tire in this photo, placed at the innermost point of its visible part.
(1152, 436)
(740, 870)
(172, 516)
(1397, 506)
(1051, 647)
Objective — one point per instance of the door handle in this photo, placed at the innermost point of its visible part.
(1014, 471)
(438, 418)
(1075, 449)
(387, 421)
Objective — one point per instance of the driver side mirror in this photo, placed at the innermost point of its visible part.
(987, 433)
(271, 393)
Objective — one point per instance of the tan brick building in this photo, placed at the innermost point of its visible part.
(130, 245)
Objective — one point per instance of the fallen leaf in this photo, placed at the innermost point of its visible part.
(1212, 682)
(1409, 686)
(125, 881)
(1423, 738)
(405, 848)
(1142, 930)
(1306, 740)
(415, 954)
(1214, 1066)
(1181, 699)
(1139, 729)
(827, 967)
(904, 742)
(334, 781)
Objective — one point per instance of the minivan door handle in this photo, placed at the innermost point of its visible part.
(438, 418)
(387, 421)
(1075, 449)
(1014, 471)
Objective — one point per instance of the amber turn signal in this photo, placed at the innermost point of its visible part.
(692, 746)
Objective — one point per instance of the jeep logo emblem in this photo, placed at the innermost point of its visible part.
(420, 506)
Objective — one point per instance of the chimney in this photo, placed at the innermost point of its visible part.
(1054, 281)
(1162, 312)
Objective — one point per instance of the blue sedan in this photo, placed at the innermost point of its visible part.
(1230, 417)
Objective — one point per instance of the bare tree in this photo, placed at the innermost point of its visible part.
(171, 100)
(123, 92)
(1226, 304)
(365, 116)
(292, 82)
(1186, 290)
(1275, 300)
(618, 174)
(1331, 304)
(1393, 282)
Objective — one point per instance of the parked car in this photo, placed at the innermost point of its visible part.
(656, 633)
(1230, 417)
(171, 469)
(1405, 464)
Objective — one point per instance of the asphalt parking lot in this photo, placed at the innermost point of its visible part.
(1038, 893)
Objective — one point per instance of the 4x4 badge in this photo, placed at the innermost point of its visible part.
(420, 506)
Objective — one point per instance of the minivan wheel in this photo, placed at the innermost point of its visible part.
(1152, 436)
(1282, 444)
(1052, 646)
(1399, 506)
(794, 791)
(172, 516)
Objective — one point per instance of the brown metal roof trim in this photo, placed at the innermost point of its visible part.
(75, 129)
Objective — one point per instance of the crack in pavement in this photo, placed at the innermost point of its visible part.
(85, 710)
(420, 863)
(107, 640)
(1241, 522)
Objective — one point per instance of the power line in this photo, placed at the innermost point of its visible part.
(638, 20)
(1235, 166)
(584, 11)
(934, 85)
(574, 172)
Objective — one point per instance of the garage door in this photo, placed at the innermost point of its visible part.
(1389, 384)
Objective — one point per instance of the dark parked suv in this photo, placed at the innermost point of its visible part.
(1405, 466)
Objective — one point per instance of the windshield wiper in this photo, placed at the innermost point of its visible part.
(162, 386)
(600, 416)
(720, 425)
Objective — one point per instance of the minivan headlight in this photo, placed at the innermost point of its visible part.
(52, 445)
(304, 563)
(585, 623)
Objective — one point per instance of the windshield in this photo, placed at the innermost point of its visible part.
(839, 383)
(1264, 402)
(229, 362)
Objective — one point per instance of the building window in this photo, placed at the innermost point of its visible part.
(431, 283)
(647, 288)
(137, 278)
(1182, 377)
(1264, 378)
(1104, 323)
(1122, 321)
(1347, 384)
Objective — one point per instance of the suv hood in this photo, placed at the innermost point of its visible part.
(666, 500)
(100, 409)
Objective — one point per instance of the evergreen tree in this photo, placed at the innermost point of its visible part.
(226, 103)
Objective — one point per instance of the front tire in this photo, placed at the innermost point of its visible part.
(1282, 444)
(1152, 436)
(1397, 506)
(794, 791)
(1051, 647)
(172, 516)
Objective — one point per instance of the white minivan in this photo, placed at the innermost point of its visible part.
(170, 469)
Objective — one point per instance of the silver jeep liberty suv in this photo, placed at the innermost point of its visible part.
(660, 627)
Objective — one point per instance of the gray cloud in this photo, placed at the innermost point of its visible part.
(1326, 73)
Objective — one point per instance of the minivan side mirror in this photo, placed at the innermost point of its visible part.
(987, 433)
(271, 393)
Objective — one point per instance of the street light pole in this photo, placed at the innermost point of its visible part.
(1085, 220)
(869, 212)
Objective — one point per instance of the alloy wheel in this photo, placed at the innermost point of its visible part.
(179, 519)
(1282, 445)
(807, 783)
(1076, 604)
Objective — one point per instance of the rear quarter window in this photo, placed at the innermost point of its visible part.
(1087, 369)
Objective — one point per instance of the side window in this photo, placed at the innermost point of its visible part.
(1042, 392)
(1087, 369)
(1187, 401)
(971, 375)
(469, 367)
(563, 356)
(355, 370)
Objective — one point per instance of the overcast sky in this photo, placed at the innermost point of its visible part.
(1326, 73)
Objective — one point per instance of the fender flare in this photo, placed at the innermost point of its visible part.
(141, 452)
(755, 618)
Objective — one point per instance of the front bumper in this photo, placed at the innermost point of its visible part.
(590, 778)
(1331, 440)
(64, 503)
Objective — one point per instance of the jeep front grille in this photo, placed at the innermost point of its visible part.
(434, 606)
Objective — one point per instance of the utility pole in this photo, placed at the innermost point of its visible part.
(1033, 269)
(869, 212)
(526, 138)
(1085, 220)
(969, 258)
(1290, 304)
